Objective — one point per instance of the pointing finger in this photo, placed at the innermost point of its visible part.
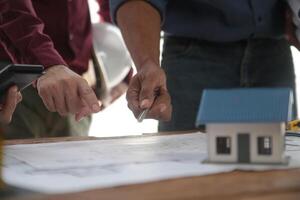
(88, 96)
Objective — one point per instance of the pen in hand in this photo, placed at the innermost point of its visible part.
(144, 113)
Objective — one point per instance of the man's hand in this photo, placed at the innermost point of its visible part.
(64, 91)
(147, 89)
(13, 97)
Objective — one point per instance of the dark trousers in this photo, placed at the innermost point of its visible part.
(192, 65)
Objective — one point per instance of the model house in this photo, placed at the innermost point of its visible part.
(246, 125)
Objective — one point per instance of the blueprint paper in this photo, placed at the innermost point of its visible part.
(81, 165)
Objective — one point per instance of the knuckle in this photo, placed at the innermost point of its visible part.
(70, 95)
(62, 112)
(42, 92)
(65, 81)
(81, 81)
(52, 87)
(73, 107)
(87, 90)
(43, 87)
(50, 109)
(47, 106)
(146, 92)
(68, 85)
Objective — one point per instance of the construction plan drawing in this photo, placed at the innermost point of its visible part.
(74, 166)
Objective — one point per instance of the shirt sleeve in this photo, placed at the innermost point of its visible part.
(22, 29)
(160, 5)
(104, 10)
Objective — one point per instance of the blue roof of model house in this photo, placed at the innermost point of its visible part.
(245, 105)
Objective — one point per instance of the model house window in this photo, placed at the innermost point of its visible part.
(223, 145)
(264, 145)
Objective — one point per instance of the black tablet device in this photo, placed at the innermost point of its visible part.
(19, 75)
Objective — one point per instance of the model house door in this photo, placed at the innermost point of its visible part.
(243, 148)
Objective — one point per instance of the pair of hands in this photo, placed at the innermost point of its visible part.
(147, 89)
(63, 91)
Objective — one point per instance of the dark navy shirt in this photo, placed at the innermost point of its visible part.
(218, 20)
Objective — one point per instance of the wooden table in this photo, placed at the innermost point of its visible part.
(268, 185)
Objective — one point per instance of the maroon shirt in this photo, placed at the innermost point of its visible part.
(47, 32)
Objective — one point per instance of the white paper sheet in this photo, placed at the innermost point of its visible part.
(80, 165)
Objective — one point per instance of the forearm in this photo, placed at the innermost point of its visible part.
(140, 26)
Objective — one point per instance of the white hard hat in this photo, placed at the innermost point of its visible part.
(111, 53)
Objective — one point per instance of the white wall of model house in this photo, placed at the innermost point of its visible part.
(275, 131)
